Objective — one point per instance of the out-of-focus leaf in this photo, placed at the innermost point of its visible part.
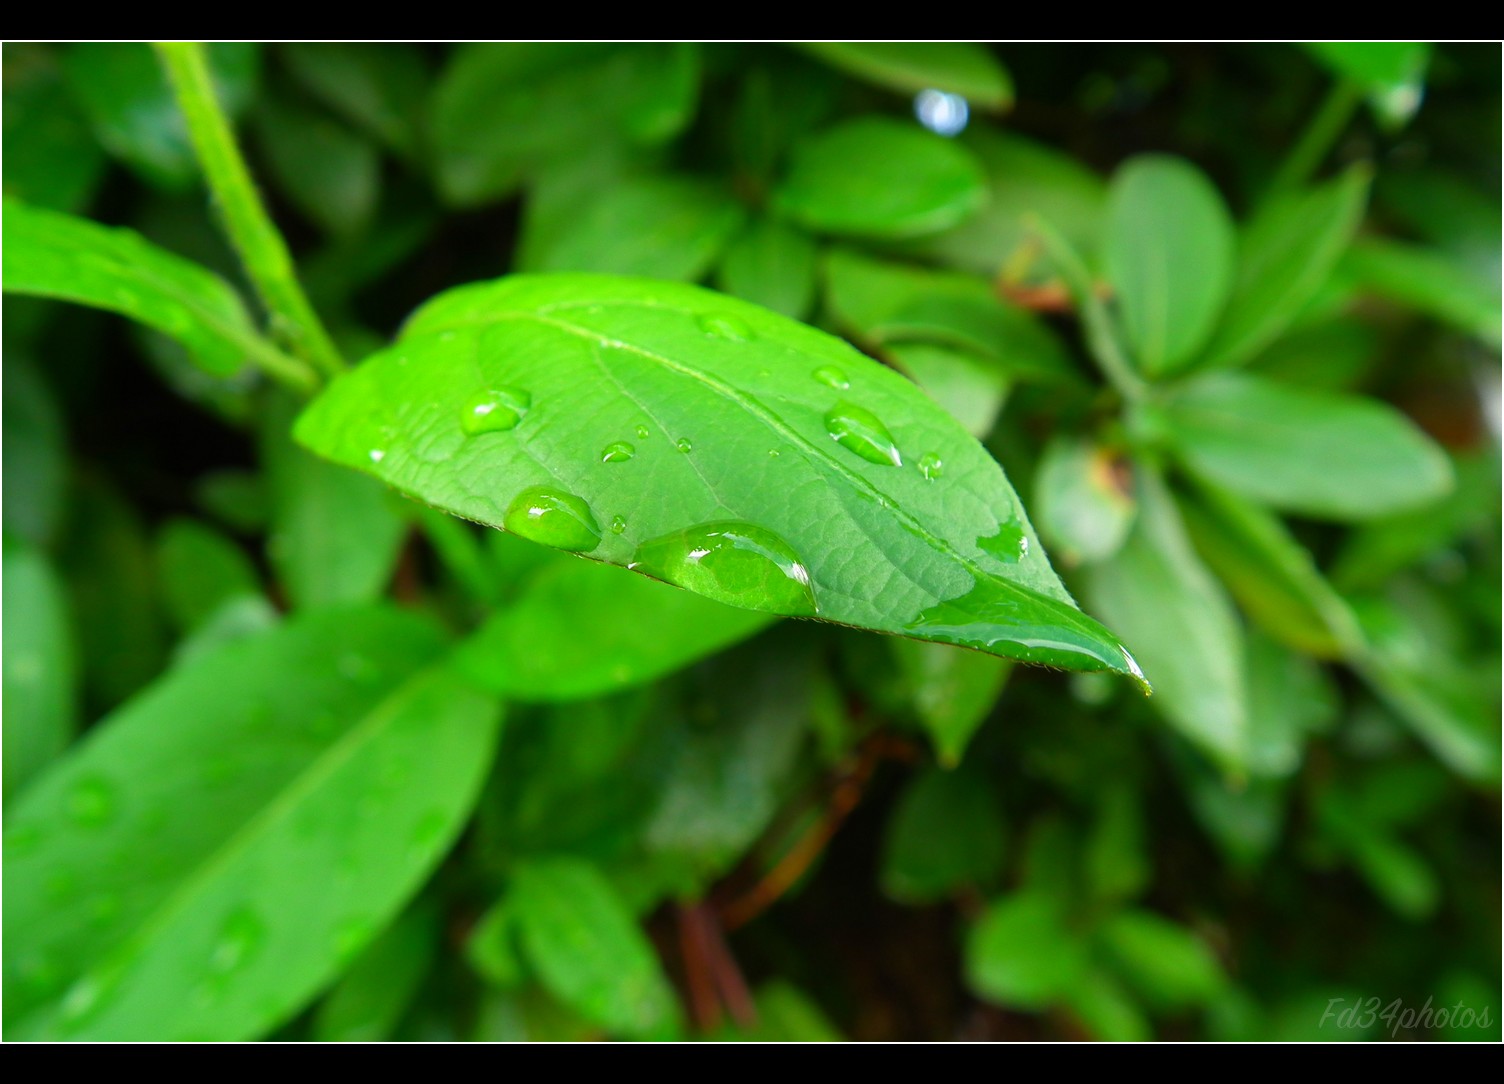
(1392, 72)
(379, 88)
(580, 629)
(48, 254)
(876, 177)
(34, 454)
(1023, 952)
(952, 691)
(223, 843)
(1330, 355)
(38, 665)
(957, 67)
(1400, 876)
(1082, 499)
(237, 498)
(1164, 962)
(503, 110)
(1456, 214)
(785, 1014)
(586, 948)
(1429, 282)
(201, 570)
(51, 158)
(658, 227)
(1181, 625)
(1321, 454)
(329, 173)
(1116, 857)
(970, 386)
(1289, 698)
(1169, 254)
(772, 265)
(744, 457)
(1285, 255)
(126, 97)
(366, 1003)
(946, 833)
(335, 535)
(885, 303)
(1107, 1010)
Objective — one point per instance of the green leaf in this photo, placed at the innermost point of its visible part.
(501, 111)
(1025, 179)
(380, 89)
(1396, 873)
(746, 457)
(48, 254)
(329, 173)
(1107, 1011)
(785, 1014)
(367, 1002)
(1022, 953)
(1169, 254)
(953, 691)
(1322, 454)
(957, 67)
(971, 388)
(126, 97)
(201, 571)
(1181, 624)
(335, 536)
(1083, 499)
(1289, 699)
(587, 949)
(51, 158)
(658, 227)
(1428, 282)
(1286, 254)
(883, 303)
(1166, 963)
(772, 265)
(945, 834)
(224, 842)
(876, 177)
(1116, 858)
(38, 665)
(1392, 72)
(35, 454)
(580, 630)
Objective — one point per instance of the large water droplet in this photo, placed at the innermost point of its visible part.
(720, 325)
(92, 802)
(239, 939)
(495, 411)
(554, 518)
(832, 377)
(684, 444)
(931, 466)
(860, 431)
(618, 451)
(736, 563)
(1010, 544)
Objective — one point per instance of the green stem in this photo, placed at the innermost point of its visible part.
(1316, 141)
(259, 244)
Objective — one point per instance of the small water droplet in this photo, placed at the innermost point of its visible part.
(832, 377)
(721, 325)
(377, 455)
(642, 432)
(859, 430)
(931, 466)
(495, 411)
(618, 525)
(736, 563)
(92, 802)
(684, 444)
(618, 451)
(554, 518)
(239, 940)
(773, 453)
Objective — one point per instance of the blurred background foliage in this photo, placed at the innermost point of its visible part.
(1284, 497)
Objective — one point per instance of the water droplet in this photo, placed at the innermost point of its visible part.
(642, 432)
(618, 525)
(553, 518)
(832, 377)
(773, 453)
(92, 802)
(684, 444)
(735, 563)
(861, 431)
(931, 466)
(239, 939)
(1010, 544)
(721, 325)
(86, 995)
(377, 455)
(617, 452)
(495, 411)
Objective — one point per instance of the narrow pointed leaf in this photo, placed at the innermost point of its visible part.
(712, 444)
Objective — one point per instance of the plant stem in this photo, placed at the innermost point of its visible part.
(260, 246)
(1320, 134)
